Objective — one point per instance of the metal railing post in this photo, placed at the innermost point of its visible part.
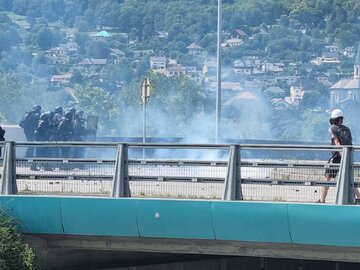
(233, 189)
(345, 185)
(8, 179)
(120, 186)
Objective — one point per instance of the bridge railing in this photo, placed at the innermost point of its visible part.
(200, 171)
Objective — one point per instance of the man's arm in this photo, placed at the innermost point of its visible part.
(336, 140)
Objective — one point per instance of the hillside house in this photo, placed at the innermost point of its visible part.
(71, 47)
(175, 71)
(90, 65)
(194, 49)
(158, 62)
(251, 61)
(322, 78)
(233, 42)
(346, 90)
(142, 53)
(298, 90)
(332, 48)
(162, 34)
(268, 66)
(239, 34)
(60, 55)
(56, 51)
(327, 58)
(349, 52)
(63, 79)
(116, 56)
(243, 70)
(102, 35)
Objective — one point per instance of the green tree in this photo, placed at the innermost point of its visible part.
(44, 38)
(97, 49)
(173, 104)
(96, 101)
(11, 91)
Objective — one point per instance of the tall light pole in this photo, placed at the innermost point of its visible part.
(145, 95)
(218, 76)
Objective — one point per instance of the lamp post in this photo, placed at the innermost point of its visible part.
(145, 95)
(218, 76)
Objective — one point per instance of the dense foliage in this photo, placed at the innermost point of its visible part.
(14, 255)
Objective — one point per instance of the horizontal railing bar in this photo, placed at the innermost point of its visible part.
(181, 146)
(271, 182)
(65, 160)
(63, 177)
(292, 182)
(176, 179)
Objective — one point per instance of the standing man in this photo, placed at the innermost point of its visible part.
(65, 133)
(29, 123)
(340, 135)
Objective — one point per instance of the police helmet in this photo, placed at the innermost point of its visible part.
(79, 113)
(69, 115)
(58, 110)
(44, 116)
(37, 108)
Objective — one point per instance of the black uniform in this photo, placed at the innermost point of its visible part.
(65, 133)
(2, 138)
(42, 133)
(79, 134)
(29, 123)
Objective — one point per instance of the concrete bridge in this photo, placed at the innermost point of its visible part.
(138, 207)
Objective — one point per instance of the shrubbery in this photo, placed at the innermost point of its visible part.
(14, 254)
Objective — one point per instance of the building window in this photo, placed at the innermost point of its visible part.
(350, 94)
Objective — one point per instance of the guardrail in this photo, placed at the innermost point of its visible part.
(200, 171)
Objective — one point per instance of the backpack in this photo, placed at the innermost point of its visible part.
(29, 121)
(344, 135)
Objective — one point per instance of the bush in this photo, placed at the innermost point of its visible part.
(14, 255)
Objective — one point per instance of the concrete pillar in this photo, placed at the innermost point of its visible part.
(8, 179)
(345, 184)
(233, 189)
(120, 186)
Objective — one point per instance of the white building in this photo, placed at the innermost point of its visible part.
(346, 89)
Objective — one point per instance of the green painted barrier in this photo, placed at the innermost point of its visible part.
(333, 225)
(313, 224)
(99, 216)
(251, 221)
(175, 219)
(33, 213)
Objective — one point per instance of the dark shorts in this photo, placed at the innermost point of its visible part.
(332, 172)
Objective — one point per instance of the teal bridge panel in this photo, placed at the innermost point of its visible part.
(277, 222)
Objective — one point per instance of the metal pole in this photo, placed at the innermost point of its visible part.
(218, 92)
(144, 126)
(145, 95)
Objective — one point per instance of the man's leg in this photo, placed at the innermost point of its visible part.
(324, 190)
(357, 193)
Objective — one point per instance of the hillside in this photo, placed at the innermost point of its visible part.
(55, 47)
